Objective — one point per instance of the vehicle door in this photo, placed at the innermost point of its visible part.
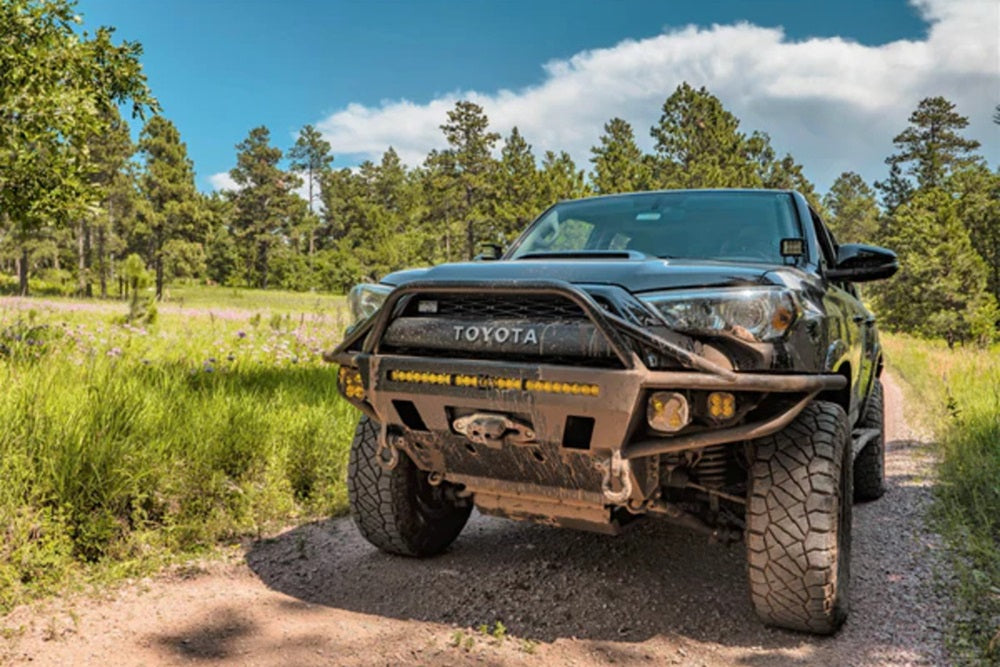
(855, 325)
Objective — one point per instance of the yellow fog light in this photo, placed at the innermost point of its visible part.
(721, 405)
(667, 411)
(351, 384)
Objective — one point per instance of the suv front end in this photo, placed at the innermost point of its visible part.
(687, 355)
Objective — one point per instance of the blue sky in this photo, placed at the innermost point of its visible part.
(372, 74)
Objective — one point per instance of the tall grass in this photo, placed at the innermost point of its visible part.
(200, 296)
(959, 392)
(122, 446)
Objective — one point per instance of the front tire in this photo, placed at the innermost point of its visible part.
(397, 510)
(799, 522)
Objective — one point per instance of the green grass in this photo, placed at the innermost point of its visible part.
(197, 296)
(959, 395)
(125, 447)
(200, 296)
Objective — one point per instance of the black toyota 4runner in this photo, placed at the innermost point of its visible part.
(700, 356)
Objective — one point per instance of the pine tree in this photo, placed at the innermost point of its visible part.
(112, 175)
(896, 190)
(265, 207)
(560, 179)
(473, 168)
(381, 242)
(518, 201)
(978, 192)
(853, 211)
(310, 157)
(167, 184)
(338, 188)
(699, 145)
(940, 289)
(222, 260)
(932, 146)
(445, 203)
(783, 174)
(618, 162)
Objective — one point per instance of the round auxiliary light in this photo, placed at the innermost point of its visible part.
(667, 411)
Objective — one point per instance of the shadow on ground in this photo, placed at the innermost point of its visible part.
(213, 639)
(546, 583)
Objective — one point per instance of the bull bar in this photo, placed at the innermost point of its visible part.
(622, 388)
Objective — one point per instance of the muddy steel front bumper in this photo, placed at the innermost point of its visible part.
(582, 447)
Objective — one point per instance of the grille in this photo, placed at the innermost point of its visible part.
(515, 307)
(525, 358)
(535, 309)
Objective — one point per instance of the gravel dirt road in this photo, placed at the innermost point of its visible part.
(318, 594)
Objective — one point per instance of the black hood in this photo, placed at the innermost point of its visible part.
(634, 275)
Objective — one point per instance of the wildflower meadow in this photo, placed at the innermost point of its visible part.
(124, 445)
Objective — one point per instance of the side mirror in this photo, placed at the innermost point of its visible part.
(859, 263)
(491, 252)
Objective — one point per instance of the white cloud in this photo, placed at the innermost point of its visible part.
(222, 181)
(833, 103)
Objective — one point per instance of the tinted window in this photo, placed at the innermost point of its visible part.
(736, 226)
(826, 242)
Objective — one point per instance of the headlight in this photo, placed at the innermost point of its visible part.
(365, 299)
(750, 313)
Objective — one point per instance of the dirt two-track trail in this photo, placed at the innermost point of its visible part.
(319, 594)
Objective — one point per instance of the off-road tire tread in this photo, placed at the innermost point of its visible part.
(869, 465)
(798, 569)
(384, 506)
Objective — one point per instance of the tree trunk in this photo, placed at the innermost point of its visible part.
(22, 271)
(262, 264)
(81, 260)
(88, 260)
(312, 218)
(102, 266)
(470, 230)
(158, 263)
(159, 276)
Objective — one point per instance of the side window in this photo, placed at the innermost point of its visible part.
(829, 246)
(826, 243)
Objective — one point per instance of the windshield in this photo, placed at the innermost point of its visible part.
(738, 226)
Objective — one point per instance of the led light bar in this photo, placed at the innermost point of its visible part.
(495, 382)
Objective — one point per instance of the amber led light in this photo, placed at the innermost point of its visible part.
(721, 405)
(351, 384)
(667, 411)
(495, 382)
